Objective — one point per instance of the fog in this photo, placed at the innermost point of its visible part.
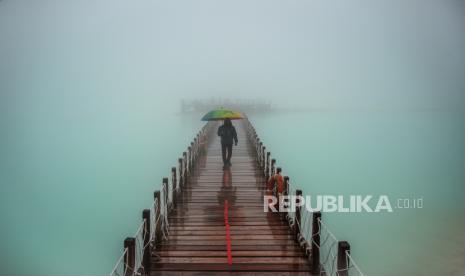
(317, 54)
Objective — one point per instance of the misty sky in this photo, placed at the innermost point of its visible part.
(322, 54)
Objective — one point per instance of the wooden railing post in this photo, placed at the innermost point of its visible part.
(146, 235)
(189, 157)
(184, 162)
(196, 143)
(297, 222)
(181, 176)
(315, 240)
(285, 192)
(276, 192)
(130, 256)
(195, 150)
(343, 248)
(174, 191)
(273, 163)
(257, 149)
(165, 188)
(267, 166)
(286, 185)
(192, 155)
(158, 219)
(257, 144)
(263, 159)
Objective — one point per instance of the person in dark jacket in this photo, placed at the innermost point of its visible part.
(228, 134)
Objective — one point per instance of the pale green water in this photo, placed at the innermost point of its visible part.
(73, 190)
(400, 154)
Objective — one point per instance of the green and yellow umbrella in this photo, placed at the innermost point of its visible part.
(221, 114)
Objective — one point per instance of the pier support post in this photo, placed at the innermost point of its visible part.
(315, 242)
(130, 256)
(158, 233)
(173, 191)
(343, 248)
(297, 221)
(146, 235)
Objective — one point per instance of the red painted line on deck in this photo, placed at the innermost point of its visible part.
(228, 233)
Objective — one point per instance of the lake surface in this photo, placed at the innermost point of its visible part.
(74, 185)
(399, 154)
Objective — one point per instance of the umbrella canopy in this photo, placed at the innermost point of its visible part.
(221, 114)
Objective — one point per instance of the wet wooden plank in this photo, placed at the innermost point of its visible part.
(234, 267)
(221, 232)
(227, 273)
(233, 228)
(237, 260)
(237, 253)
(265, 247)
(234, 238)
(232, 223)
(234, 242)
(261, 243)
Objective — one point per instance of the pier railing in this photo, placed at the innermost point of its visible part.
(138, 249)
(327, 255)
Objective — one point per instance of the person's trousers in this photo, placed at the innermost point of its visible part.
(226, 151)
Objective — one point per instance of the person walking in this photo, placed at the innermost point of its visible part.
(228, 134)
(276, 184)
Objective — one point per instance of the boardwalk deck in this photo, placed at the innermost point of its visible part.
(206, 220)
(260, 243)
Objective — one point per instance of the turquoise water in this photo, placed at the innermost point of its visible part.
(399, 154)
(72, 190)
(74, 183)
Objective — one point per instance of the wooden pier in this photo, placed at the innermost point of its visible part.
(207, 220)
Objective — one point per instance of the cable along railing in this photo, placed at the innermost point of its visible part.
(138, 249)
(327, 255)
